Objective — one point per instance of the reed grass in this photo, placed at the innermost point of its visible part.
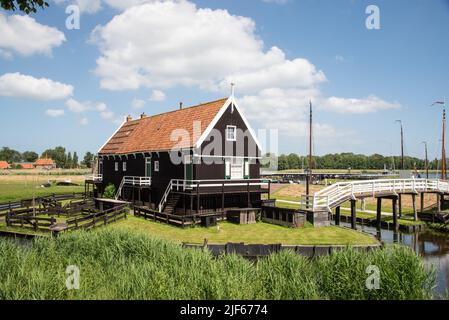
(118, 264)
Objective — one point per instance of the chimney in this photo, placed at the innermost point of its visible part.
(180, 106)
(143, 115)
(129, 118)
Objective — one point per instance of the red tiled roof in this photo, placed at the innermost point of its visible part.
(44, 162)
(154, 133)
(26, 165)
(4, 165)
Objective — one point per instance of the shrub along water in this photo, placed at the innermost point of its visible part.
(125, 265)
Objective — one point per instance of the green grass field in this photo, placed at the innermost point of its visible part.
(19, 187)
(260, 233)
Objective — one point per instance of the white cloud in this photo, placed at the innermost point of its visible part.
(368, 105)
(165, 44)
(83, 106)
(76, 106)
(25, 86)
(93, 6)
(138, 103)
(54, 113)
(157, 95)
(23, 35)
(84, 121)
(107, 115)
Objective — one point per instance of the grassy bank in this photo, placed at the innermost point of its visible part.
(117, 264)
(260, 233)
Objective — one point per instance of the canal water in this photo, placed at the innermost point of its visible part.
(431, 245)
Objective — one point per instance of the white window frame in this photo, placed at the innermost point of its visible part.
(116, 166)
(227, 133)
(124, 166)
(156, 166)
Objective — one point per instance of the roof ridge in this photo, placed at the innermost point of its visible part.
(177, 110)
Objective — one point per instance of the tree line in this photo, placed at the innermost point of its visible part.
(350, 161)
(63, 159)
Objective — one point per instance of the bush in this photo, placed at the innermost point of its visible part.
(109, 191)
(116, 264)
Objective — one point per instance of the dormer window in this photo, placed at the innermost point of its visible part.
(231, 133)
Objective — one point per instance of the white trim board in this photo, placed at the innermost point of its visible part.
(231, 100)
(115, 132)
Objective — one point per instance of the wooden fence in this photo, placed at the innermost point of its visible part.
(96, 219)
(179, 220)
(27, 218)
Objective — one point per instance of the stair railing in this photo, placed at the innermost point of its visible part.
(119, 190)
(165, 196)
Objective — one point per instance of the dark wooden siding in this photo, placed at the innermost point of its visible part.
(245, 146)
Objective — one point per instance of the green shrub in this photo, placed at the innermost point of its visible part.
(109, 191)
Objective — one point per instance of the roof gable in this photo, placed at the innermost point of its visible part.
(153, 133)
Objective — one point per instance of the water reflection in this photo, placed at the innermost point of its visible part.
(431, 245)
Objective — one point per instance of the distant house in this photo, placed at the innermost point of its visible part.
(4, 165)
(26, 165)
(45, 163)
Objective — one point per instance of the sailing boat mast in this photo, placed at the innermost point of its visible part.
(309, 167)
(443, 148)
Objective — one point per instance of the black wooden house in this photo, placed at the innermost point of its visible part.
(199, 159)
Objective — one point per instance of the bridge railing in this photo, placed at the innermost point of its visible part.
(343, 191)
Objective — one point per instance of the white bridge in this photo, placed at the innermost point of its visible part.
(338, 193)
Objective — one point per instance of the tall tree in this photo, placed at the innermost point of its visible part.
(68, 164)
(75, 160)
(88, 158)
(10, 155)
(29, 156)
(57, 154)
(27, 6)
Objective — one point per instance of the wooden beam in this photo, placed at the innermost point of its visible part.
(353, 214)
(379, 212)
(395, 214)
(422, 202)
(400, 205)
(337, 216)
(415, 210)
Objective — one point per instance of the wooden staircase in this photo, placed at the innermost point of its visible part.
(171, 203)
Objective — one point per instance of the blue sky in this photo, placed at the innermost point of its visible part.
(280, 54)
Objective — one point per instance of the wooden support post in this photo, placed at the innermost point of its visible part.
(363, 205)
(422, 202)
(400, 205)
(197, 197)
(415, 210)
(222, 197)
(395, 214)
(248, 195)
(337, 216)
(379, 212)
(438, 203)
(269, 189)
(353, 214)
